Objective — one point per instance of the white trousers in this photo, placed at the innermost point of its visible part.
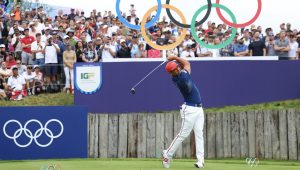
(192, 119)
(69, 76)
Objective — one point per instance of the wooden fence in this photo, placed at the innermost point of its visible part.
(262, 134)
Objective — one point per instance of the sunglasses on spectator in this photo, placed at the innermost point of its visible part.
(29, 68)
(18, 63)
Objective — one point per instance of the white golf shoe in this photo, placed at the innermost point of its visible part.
(199, 164)
(166, 160)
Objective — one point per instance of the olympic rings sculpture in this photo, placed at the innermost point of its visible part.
(183, 25)
(33, 136)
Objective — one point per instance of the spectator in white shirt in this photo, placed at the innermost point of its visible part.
(16, 85)
(109, 50)
(29, 77)
(51, 61)
(188, 52)
(37, 49)
(17, 43)
(293, 53)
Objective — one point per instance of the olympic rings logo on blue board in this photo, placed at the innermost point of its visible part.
(33, 136)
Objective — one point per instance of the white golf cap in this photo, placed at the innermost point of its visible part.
(2, 46)
(66, 36)
(122, 41)
(36, 66)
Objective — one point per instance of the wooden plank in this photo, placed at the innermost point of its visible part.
(227, 135)
(123, 129)
(151, 136)
(267, 135)
(177, 127)
(132, 135)
(235, 135)
(211, 135)
(91, 135)
(275, 135)
(298, 131)
(96, 138)
(160, 129)
(219, 136)
(193, 145)
(103, 135)
(292, 136)
(169, 130)
(251, 133)
(205, 135)
(113, 122)
(244, 135)
(283, 135)
(141, 135)
(259, 134)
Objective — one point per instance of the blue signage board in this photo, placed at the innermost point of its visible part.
(43, 132)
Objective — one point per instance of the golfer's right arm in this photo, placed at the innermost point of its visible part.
(183, 63)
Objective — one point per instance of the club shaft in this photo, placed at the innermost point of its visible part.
(149, 74)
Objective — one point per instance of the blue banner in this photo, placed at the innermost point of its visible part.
(43, 132)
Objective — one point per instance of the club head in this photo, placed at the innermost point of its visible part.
(132, 91)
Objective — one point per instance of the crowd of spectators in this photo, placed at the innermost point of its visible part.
(37, 52)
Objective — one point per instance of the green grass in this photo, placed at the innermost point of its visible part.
(279, 105)
(59, 99)
(145, 164)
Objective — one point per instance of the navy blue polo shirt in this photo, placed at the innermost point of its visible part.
(187, 88)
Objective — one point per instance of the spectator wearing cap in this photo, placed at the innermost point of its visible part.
(293, 52)
(29, 77)
(257, 47)
(16, 85)
(109, 50)
(124, 51)
(32, 29)
(70, 33)
(26, 48)
(69, 57)
(37, 48)
(270, 44)
(51, 52)
(90, 55)
(240, 49)
(282, 46)
(46, 36)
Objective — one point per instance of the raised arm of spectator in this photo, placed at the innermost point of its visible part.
(184, 64)
(113, 53)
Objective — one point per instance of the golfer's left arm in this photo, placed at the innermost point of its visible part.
(183, 63)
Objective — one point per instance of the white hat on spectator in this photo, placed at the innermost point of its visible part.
(122, 41)
(55, 29)
(66, 36)
(36, 66)
(31, 23)
(21, 29)
(202, 38)
(69, 30)
(2, 46)
(47, 28)
(12, 14)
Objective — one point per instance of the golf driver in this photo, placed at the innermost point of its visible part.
(133, 88)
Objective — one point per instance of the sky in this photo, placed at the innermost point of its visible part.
(274, 12)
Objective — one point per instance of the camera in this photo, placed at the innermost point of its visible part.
(49, 43)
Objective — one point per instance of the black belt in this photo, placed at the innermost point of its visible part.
(192, 104)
